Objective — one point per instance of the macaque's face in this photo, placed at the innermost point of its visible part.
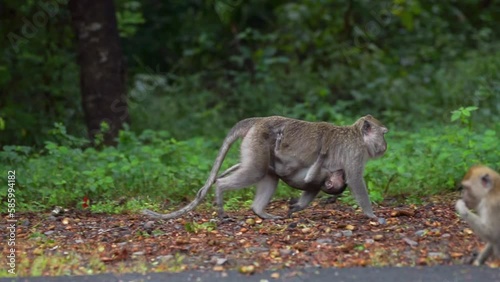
(373, 136)
(475, 186)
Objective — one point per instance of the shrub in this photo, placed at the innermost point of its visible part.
(153, 166)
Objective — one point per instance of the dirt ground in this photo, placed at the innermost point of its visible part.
(323, 235)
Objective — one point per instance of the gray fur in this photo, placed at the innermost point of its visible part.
(302, 154)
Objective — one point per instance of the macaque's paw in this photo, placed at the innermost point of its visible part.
(461, 207)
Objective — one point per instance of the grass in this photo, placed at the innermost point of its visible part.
(153, 167)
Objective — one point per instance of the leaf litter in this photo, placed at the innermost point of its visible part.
(323, 235)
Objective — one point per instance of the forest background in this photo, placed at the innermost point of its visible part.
(139, 117)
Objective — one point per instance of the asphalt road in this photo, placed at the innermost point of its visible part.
(372, 274)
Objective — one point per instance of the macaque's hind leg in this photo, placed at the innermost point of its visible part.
(253, 168)
(229, 170)
(235, 167)
(303, 202)
(240, 178)
(264, 193)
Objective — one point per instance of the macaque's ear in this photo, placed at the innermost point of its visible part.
(367, 127)
(486, 181)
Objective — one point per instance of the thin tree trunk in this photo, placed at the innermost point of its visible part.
(102, 74)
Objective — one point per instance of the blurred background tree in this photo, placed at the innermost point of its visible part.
(197, 66)
(430, 70)
(102, 68)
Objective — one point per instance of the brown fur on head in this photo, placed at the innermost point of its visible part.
(479, 182)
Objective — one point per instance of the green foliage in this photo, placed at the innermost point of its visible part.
(237, 201)
(119, 205)
(129, 16)
(154, 166)
(194, 227)
(395, 59)
(39, 75)
(39, 81)
(463, 114)
(197, 67)
(226, 8)
(432, 159)
(150, 165)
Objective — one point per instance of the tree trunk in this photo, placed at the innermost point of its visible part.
(102, 67)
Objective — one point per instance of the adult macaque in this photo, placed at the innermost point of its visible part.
(302, 154)
(330, 148)
(334, 184)
(481, 192)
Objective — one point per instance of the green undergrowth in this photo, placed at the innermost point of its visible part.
(156, 171)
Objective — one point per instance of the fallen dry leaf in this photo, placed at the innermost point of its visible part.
(331, 235)
(247, 269)
(218, 268)
(468, 231)
(397, 213)
(350, 227)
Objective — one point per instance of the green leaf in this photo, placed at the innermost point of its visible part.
(455, 115)
(189, 226)
(5, 75)
(225, 9)
(108, 180)
(407, 20)
(490, 132)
